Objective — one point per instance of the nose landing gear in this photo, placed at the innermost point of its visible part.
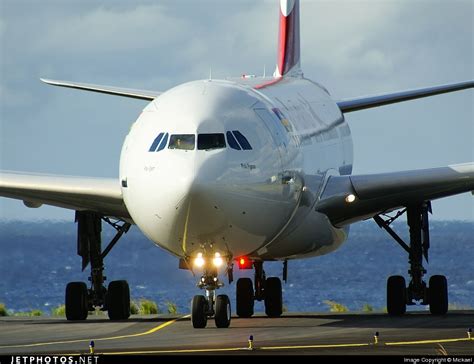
(210, 305)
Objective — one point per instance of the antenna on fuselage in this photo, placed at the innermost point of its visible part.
(264, 70)
(210, 73)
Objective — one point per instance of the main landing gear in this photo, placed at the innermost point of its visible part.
(398, 295)
(267, 289)
(79, 299)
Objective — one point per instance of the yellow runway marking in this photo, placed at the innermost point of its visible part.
(172, 351)
(440, 341)
(287, 347)
(151, 331)
(320, 346)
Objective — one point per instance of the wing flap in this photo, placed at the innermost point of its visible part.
(110, 90)
(383, 192)
(102, 195)
(367, 102)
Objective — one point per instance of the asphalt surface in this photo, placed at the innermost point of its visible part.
(304, 333)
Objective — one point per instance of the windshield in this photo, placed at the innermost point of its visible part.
(211, 141)
(182, 141)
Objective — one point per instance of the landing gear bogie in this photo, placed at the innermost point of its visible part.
(80, 299)
(436, 293)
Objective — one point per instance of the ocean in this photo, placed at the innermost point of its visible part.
(38, 259)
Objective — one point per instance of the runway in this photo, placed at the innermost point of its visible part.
(299, 333)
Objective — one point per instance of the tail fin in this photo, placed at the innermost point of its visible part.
(288, 62)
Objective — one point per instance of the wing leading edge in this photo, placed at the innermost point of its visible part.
(367, 102)
(102, 195)
(110, 90)
(377, 193)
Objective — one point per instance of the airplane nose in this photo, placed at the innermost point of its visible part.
(182, 200)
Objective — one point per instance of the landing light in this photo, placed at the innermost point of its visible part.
(199, 260)
(350, 198)
(217, 261)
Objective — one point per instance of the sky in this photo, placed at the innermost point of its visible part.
(354, 48)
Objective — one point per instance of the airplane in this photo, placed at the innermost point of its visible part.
(243, 171)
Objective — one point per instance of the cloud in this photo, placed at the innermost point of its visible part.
(109, 29)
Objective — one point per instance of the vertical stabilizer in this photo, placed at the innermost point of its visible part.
(288, 62)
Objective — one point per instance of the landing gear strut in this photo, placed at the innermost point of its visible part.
(267, 289)
(398, 295)
(204, 307)
(79, 299)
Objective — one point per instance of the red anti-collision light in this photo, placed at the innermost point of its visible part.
(245, 263)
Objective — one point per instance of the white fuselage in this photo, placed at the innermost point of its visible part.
(255, 200)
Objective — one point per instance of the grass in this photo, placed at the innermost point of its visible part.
(59, 311)
(367, 308)
(134, 309)
(172, 308)
(144, 307)
(148, 307)
(3, 310)
(32, 313)
(336, 306)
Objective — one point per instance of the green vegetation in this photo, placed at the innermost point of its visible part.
(134, 309)
(144, 307)
(3, 310)
(367, 308)
(335, 306)
(32, 313)
(172, 308)
(59, 311)
(148, 307)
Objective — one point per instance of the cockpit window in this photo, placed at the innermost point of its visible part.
(211, 141)
(156, 142)
(163, 143)
(182, 141)
(244, 143)
(232, 142)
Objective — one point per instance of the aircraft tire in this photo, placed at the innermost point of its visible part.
(273, 297)
(76, 301)
(198, 312)
(223, 313)
(118, 300)
(244, 297)
(396, 295)
(438, 295)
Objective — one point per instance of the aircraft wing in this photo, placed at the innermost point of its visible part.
(102, 195)
(367, 102)
(110, 90)
(378, 193)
